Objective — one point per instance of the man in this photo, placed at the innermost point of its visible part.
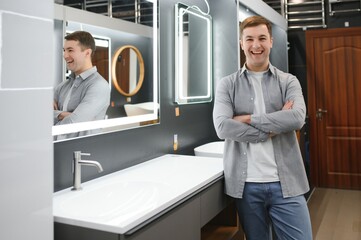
(257, 110)
(85, 96)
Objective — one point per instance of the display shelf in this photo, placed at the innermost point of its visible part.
(138, 11)
(343, 6)
(304, 15)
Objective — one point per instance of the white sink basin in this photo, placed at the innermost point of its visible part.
(212, 149)
(136, 197)
(121, 201)
(139, 108)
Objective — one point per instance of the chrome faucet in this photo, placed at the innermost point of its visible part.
(77, 162)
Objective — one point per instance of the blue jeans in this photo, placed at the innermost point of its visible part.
(263, 206)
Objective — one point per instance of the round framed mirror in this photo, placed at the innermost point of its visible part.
(127, 70)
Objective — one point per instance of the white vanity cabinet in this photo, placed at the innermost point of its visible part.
(182, 222)
(168, 197)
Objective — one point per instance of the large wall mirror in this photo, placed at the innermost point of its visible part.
(133, 44)
(193, 53)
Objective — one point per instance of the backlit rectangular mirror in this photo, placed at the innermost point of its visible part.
(126, 57)
(193, 55)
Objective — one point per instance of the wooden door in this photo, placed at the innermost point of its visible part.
(334, 106)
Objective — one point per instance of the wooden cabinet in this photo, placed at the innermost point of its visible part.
(210, 209)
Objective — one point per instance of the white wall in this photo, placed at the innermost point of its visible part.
(26, 150)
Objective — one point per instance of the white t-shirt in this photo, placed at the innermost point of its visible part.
(261, 161)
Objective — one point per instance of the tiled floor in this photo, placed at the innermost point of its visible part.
(335, 214)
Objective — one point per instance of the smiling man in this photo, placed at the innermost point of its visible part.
(85, 96)
(257, 110)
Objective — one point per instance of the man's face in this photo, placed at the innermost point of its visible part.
(256, 43)
(76, 59)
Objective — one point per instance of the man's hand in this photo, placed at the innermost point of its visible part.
(271, 134)
(288, 105)
(243, 118)
(62, 115)
(55, 105)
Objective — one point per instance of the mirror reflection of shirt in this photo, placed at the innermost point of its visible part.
(88, 100)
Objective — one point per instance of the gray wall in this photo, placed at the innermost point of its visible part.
(26, 150)
(194, 126)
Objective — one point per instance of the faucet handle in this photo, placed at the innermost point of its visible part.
(78, 154)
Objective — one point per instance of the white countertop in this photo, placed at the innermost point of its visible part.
(123, 200)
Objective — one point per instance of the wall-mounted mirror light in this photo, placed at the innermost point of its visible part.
(110, 35)
(193, 55)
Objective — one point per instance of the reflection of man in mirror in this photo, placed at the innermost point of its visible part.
(85, 96)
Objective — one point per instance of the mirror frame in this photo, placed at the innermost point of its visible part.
(180, 98)
(141, 70)
(65, 13)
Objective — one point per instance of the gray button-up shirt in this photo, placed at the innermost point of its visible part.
(89, 100)
(235, 96)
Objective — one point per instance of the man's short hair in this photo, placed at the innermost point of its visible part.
(254, 21)
(84, 38)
